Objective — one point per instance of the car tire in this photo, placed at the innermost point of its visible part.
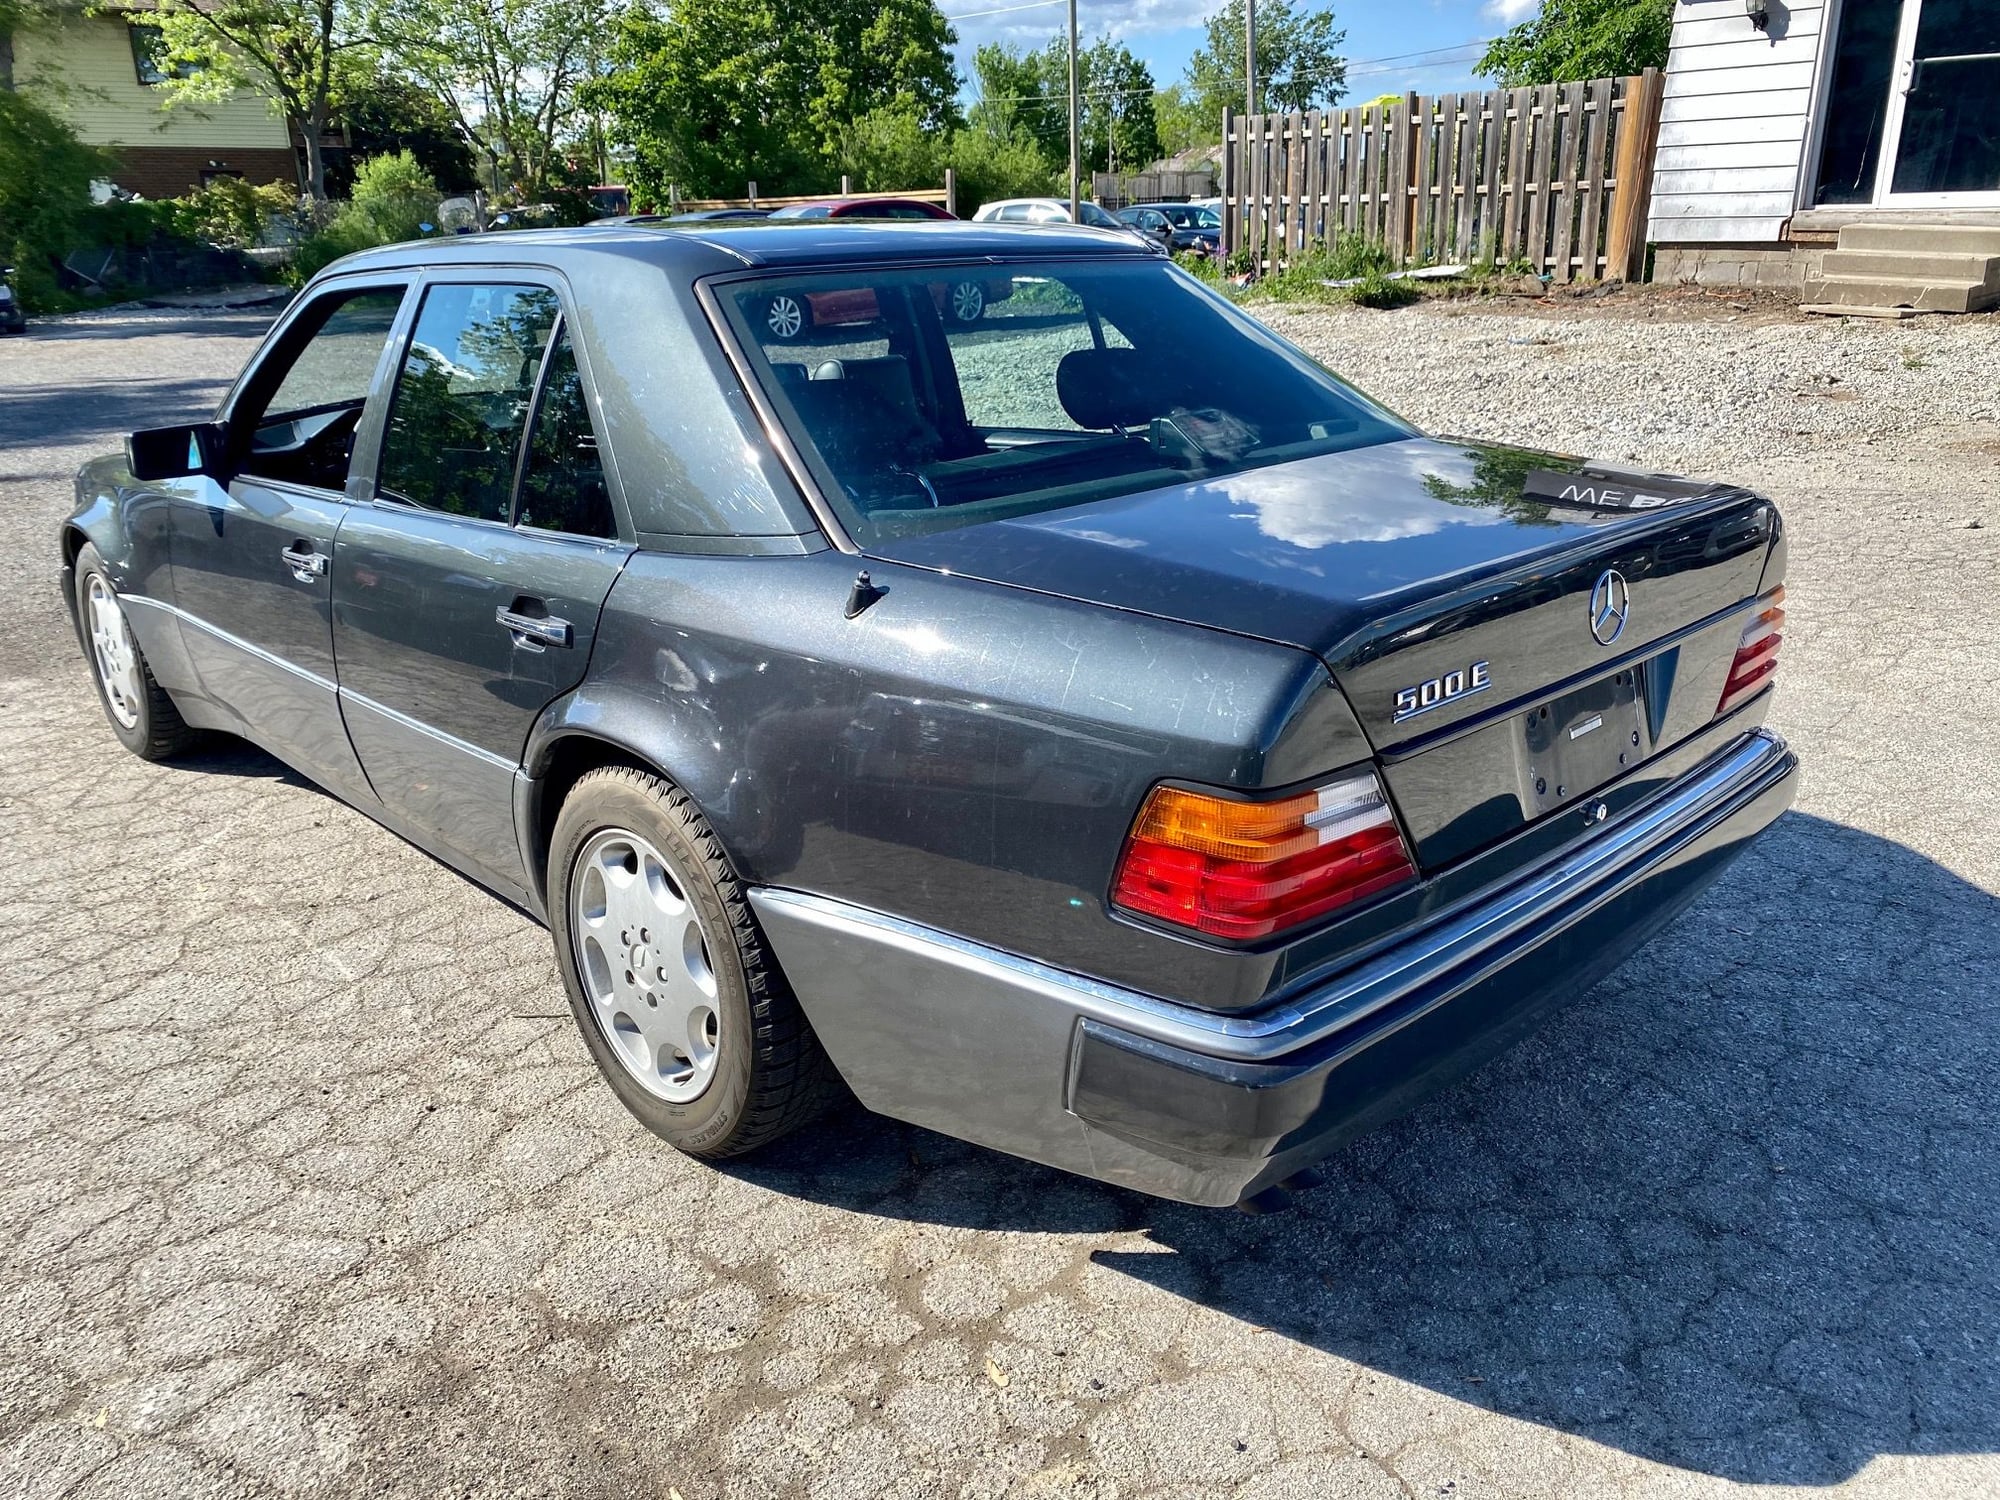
(140, 711)
(966, 301)
(680, 1003)
(787, 317)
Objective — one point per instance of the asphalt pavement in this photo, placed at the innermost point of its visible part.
(308, 1187)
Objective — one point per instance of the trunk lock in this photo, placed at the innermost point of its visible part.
(1596, 813)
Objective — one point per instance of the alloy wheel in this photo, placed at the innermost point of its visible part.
(785, 317)
(642, 952)
(111, 649)
(968, 301)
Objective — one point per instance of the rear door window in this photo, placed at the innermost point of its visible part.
(460, 408)
(562, 485)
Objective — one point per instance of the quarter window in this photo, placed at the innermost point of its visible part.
(563, 486)
(462, 398)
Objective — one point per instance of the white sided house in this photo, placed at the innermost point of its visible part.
(1850, 148)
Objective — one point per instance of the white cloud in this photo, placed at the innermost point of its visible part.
(1508, 12)
(1119, 18)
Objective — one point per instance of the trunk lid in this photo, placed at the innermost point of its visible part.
(1447, 586)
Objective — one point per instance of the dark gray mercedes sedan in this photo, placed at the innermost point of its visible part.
(1089, 728)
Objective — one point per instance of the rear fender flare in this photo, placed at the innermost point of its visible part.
(606, 723)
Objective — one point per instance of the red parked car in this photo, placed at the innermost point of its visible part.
(791, 316)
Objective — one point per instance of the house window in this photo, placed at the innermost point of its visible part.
(149, 56)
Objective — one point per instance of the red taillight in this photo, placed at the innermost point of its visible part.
(1756, 654)
(1244, 870)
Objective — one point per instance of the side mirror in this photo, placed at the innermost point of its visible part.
(173, 452)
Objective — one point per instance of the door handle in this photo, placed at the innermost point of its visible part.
(534, 630)
(307, 565)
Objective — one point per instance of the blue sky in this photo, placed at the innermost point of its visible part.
(1165, 32)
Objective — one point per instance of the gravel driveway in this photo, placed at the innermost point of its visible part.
(307, 1186)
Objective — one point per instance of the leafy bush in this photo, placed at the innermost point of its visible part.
(1349, 258)
(991, 166)
(1201, 266)
(45, 177)
(231, 212)
(394, 198)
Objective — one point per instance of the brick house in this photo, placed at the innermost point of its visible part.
(105, 74)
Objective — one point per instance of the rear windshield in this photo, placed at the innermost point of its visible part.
(927, 399)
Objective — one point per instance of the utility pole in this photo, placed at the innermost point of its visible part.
(1250, 57)
(1075, 160)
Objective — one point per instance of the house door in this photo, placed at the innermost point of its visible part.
(1943, 129)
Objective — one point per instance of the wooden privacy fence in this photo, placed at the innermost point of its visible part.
(1557, 176)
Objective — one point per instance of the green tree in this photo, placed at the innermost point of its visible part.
(508, 71)
(1183, 124)
(996, 164)
(301, 54)
(387, 114)
(1299, 65)
(1572, 39)
(1028, 93)
(718, 93)
(45, 176)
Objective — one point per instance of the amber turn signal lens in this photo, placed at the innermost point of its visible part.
(1756, 653)
(1247, 869)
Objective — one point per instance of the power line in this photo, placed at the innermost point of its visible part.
(1002, 10)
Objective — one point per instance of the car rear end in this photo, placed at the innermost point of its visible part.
(1539, 805)
(1532, 735)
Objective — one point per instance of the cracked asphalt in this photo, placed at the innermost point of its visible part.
(307, 1186)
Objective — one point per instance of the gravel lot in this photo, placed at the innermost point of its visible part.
(307, 1186)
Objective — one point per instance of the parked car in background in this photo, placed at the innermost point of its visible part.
(1178, 226)
(864, 208)
(695, 216)
(12, 318)
(1044, 211)
(1056, 211)
(717, 215)
(1103, 735)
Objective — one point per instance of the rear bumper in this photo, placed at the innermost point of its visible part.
(1211, 1108)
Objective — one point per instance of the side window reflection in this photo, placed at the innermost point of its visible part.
(461, 401)
(563, 488)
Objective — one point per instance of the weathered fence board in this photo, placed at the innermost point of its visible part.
(1557, 176)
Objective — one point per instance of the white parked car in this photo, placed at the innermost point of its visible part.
(1054, 211)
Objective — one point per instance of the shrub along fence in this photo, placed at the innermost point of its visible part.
(1557, 176)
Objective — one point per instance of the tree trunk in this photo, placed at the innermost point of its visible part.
(315, 157)
(6, 59)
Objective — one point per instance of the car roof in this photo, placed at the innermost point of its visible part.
(701, 249)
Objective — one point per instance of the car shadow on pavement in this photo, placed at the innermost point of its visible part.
(1737, 1211)
(103, 411)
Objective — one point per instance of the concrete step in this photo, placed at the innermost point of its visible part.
(1937, 239)
(1875, 291)
(1914, 265)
